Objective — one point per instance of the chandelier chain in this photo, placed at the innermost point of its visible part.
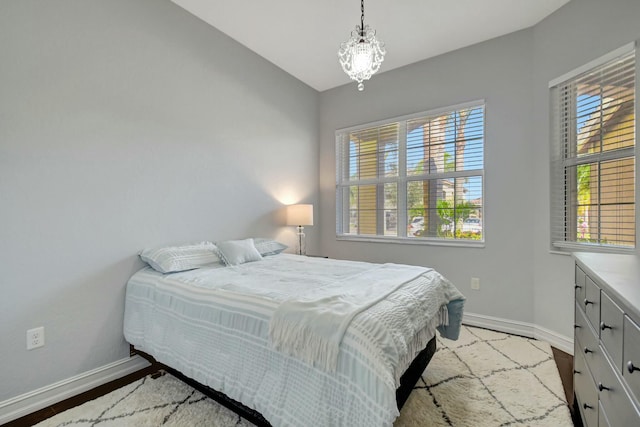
(362, 18)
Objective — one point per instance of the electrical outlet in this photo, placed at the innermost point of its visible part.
(475, 283)
(35, 338)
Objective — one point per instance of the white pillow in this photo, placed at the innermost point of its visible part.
(234, 252)
(268, 246)
(171, 259)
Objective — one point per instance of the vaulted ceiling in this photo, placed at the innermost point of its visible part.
(302, 36)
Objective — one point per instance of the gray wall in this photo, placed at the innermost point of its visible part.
(521, 280)
(580, 32)
(498, 71)
(127, 124)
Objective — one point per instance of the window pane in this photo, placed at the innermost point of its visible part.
(367, 204)
(617, 197)
(374, 152)
(389, 156)
(446, 143)
(587, 205)
(445, 208)
(467, 132)
(391, 209)
(473, 150)
(425, 145)
(604, 208)
(417, 200)
(468, 207)
(353, 210)
(605, 119)
(618, 225)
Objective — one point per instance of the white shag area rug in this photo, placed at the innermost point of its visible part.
(485, 378)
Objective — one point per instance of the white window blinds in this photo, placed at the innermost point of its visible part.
(593, 155)
(418, 177)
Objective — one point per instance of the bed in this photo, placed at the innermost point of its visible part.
(239, 329)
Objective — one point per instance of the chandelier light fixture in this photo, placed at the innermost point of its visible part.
(361, 55)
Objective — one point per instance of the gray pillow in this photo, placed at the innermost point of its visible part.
(235, 252)
(171, 259)
(268, 246)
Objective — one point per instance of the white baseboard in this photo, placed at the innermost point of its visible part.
(530, 330)
(30, 402)
(561, 342)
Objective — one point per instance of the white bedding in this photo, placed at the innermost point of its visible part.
(212, 324)
(311, 326)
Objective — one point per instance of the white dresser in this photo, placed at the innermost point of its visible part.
(607, 339)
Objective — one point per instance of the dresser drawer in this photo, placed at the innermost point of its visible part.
(586, 391)
(580, 324)
(631, 355)
(611, 329)
(617, 404)
(603, 421)
(580, 367)
(586, 341)
(592, 302)
(580, 285)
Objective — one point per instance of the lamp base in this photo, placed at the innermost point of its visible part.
(301, 245)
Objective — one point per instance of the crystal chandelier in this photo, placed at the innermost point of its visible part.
(362, 54)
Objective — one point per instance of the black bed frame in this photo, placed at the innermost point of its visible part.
(407, 381)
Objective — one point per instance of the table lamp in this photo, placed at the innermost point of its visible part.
(300, 215)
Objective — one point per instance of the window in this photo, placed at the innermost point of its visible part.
(416, 178)
(593, 154)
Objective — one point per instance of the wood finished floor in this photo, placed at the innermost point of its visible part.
(563, 360)
(50, 411)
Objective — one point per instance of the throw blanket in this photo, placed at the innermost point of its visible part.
(311, 328)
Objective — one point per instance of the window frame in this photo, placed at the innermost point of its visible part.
(561, 162)
(403, 178)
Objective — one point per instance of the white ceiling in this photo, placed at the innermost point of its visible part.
(302, 36)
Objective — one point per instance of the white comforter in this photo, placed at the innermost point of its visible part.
(311, 326)
(212, 324)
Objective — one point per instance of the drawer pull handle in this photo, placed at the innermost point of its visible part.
(601, 387)
(577, 326)
(587, 302)
(631, 367)
(578, 287)
(587, 351)
(586, 406)
(576, 372)
(604, 326)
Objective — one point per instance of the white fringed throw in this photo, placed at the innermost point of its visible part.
(311, 328)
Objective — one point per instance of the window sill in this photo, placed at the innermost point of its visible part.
(567, 248)
(413, 241)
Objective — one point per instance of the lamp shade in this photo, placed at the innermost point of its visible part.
(300, 215)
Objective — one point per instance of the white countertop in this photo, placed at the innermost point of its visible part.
(617, 274)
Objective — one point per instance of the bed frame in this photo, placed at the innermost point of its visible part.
(407, 382)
